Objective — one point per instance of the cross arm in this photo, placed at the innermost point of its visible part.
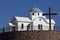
(51, 14)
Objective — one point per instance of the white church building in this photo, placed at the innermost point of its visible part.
(34, 21)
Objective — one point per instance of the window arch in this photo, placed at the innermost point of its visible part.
(32, 13)
(28, 27)
(38, 13)
(41, 26)
(38, 26)
(22, 26)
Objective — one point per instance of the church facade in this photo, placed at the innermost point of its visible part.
(34, 21)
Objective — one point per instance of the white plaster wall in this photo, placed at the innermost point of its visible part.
(52, 28)
(36, 22)
(45, 26)
(35, 15)
(25, 26)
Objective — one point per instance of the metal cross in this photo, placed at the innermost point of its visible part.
(50, 14)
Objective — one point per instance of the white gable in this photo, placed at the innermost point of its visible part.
(10, 24)
(23, 19)
(52, 21)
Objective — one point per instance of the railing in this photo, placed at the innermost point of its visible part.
(9, 29)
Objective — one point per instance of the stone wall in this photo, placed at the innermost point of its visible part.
(30, 35)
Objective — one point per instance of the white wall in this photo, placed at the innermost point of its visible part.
(25, 26)
(40, 21)
(35, 15)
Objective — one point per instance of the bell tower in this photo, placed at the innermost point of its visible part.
(34, 13)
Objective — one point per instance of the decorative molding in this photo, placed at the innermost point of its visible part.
(43, 19)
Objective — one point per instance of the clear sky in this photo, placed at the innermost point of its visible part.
(11, 8)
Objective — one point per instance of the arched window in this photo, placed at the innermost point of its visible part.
(38, 13)
(13, 28)
(41, 26)
(40, 19)
(22, 26)
(28, 26)
(38, 26)
(32, 13)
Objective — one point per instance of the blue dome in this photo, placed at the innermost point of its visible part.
(35, 10)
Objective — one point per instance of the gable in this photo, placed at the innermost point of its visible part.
(22, 19)
(45, 20)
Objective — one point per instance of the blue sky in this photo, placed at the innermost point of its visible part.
(11, 8)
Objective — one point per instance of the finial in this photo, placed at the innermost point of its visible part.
(49, 8)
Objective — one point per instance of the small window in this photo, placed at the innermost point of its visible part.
(40, 19)
(38, 13)
(13, 28)
(41, 26)
(32, 13)
(28, 26)
(38, 26)
(22, 26)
